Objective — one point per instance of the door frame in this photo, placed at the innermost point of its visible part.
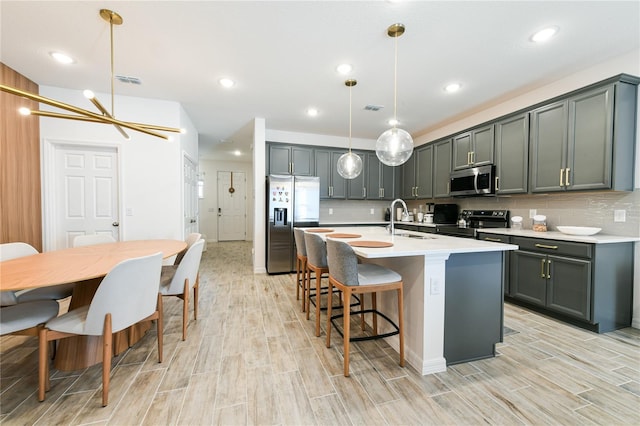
(48, 169)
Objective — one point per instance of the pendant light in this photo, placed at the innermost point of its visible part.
(395, 146)
(81, 114)
(349, 163)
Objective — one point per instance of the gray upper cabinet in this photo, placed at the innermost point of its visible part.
(512, 154)
(585, 141)
(441, 168)
(473, 148)
(417, 174)
(356, 187)
(332, 185)
(381, 179)
(290, 160)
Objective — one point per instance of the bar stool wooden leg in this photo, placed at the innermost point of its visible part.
(346, 332)
(374, 306)
(401, 323)
(319, 300)
(308, 296)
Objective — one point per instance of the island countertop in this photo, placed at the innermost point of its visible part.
(410, 243)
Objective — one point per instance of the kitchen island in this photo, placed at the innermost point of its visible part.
(464, 275)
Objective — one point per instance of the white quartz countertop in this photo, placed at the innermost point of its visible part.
(407, 246)
(556, 235)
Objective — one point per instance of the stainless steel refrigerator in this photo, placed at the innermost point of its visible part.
(292, 201)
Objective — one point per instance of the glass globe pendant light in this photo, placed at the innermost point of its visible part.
(349, 163)
(395, 146)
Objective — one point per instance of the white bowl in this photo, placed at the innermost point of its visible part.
(579, 230)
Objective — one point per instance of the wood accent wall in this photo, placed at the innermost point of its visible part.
(20, 188)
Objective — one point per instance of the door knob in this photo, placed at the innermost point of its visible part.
(115, 224)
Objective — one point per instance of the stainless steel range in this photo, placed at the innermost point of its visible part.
(474, 221)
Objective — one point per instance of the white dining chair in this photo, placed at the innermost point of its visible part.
(127, 295)
(92, 239)
(10, 251)
(178, 281)
(190, 240)
(25, 318)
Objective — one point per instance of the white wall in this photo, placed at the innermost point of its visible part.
(151, 168)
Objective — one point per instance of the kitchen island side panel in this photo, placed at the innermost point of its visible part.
(473, 306)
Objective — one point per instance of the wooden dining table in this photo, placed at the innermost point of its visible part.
(85, 266)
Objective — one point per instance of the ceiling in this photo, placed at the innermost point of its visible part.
(283, 56)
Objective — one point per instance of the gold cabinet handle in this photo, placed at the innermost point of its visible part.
(561, 177)
(416, 191)
(473, 157)
(497, 240)
(566, 177)
(468, 158)
(544, 246)
(542, 269)
(497, 183)
(548, 269)
(364, 192)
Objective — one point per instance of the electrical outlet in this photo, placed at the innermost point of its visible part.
(330, 211)
(619, 215)
(532, 213)
(372, 211)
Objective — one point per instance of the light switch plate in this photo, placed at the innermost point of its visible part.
(330, 211)
(532, 213)
(372, 211)
(619, 215)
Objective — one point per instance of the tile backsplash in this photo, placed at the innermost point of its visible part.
(576, 209)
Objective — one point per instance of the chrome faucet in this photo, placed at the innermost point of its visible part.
(406, 211)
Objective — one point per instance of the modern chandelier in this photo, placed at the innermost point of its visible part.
(349, 163)
(395, 146)
(81, 114)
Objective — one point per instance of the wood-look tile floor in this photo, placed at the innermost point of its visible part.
(253, 358)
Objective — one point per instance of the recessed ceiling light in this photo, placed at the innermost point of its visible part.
(393, 122)
(312, 112)
(452, 87)
(544, 34)
(226, 82)
(344, 69)
(62, 58)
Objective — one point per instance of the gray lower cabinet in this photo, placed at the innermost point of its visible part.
(382, 180)
(473, 148)
(585, 141)
(504, 239)
(417, 174)
(332, 185)
(589, 285)
(289, 160)
(512, 154)
(441, 168)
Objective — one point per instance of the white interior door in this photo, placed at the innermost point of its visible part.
(231, 206)
(86, 193)
(190, 178)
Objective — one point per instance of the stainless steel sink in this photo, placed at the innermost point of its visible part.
(418, 237)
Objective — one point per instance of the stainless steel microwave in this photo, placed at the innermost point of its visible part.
(473, 181)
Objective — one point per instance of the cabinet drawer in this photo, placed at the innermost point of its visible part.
(554, 247)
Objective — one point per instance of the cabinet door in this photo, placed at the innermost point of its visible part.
(529, 277)
(390, 181)
(322, 167)
(374, 171)
(441, 168)
(462, 151)
(590, 141)
(279, 160)
(407, 190)
(482, 146)
(569, 290)
(356, 187)
(512, 154)
(548, 147)
(302, 161)
(424, 171)
(338, 183)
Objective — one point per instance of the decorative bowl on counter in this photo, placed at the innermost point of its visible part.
(579, 230)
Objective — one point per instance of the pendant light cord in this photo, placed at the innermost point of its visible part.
(113, 113)
(395, 84)
(350, 87)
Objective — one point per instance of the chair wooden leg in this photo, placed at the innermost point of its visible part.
(298, 270)
(308, 296)
(196, 291)
(329, 317)
(401, 324)
(160, 327)
(303, 273)
(346, 332)
(43, 362)
(107, 337)
(319, 300)
(374, 306)
(185, 309)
